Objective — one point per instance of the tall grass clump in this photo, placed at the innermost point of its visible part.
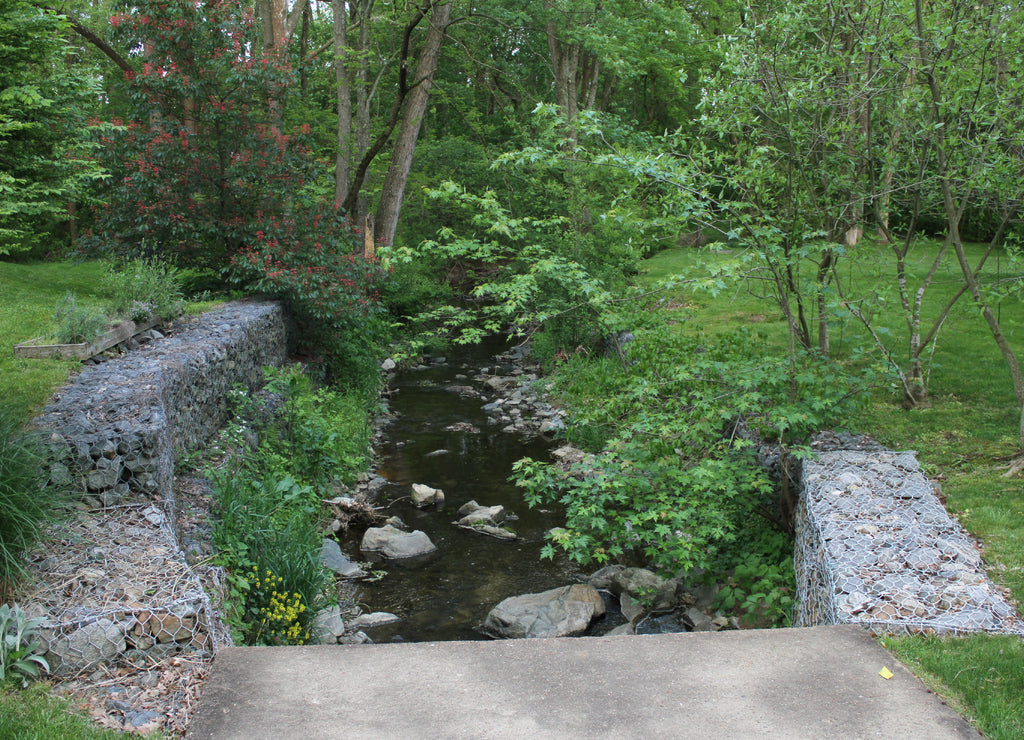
(25, 507)
(144, 289)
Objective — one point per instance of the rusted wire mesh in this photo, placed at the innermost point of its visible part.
(876, 547)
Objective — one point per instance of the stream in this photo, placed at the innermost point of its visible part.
(445, 596)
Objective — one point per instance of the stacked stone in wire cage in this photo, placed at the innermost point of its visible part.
(876, 547)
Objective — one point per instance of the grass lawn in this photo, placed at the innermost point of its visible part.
(33, 714)
(29, 294)
(964, 441)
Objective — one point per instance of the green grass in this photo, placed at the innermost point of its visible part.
(33, 714)
(980, 676)
(964, 441)
(29, 294)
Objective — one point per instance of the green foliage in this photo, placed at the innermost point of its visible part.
(325, 434)
(672, 513)
(20, 654)
(761, 581)
(77, 323)
(144, 289)
(43, 105)
(25, 508)
(269, 524)
(675, 480)
(268, 501)
(515, 267)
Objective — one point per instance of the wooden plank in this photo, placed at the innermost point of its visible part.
(45, 351)
(114, 335)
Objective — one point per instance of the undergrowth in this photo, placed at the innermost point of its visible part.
(674, 482)
(288, 448)
(25, 508)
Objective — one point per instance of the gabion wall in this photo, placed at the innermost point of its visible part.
(118, 589)
(876, 547)
(114, 585)
(115, 428)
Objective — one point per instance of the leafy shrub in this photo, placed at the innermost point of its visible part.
(144, 289)
(675, 481)
(311, 259)
(77, 323)
(24, 506)
(761, 582)
(325, 435)
(20, 653)
(521, 271)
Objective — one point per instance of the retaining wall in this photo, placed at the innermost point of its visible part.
(876, 547)
(115, 429)
(117, 585)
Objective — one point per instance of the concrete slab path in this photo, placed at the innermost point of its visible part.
(820, 682)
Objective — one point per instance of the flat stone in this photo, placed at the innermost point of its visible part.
(374, 619)
(395, 544)
(559, 612)
(332, 558)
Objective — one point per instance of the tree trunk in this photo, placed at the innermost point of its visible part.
(343, 154)
(393, 190)
(954, 213)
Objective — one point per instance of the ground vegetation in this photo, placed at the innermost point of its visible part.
(659, 196)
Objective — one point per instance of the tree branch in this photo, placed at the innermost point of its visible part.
(100, 44)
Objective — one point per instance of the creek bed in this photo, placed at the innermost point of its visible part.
(445, 596)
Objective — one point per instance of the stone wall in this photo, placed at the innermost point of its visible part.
(876, 547)
(113, 584)
(116, 427)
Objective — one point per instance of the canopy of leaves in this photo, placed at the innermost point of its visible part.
(43, 106)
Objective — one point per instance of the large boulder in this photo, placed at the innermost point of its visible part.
(395, 544)
(560, 612)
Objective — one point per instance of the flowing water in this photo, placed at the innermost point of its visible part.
(450, 592)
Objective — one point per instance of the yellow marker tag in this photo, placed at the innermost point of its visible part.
(885, 673)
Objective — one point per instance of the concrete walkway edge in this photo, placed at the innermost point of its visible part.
(820, 682)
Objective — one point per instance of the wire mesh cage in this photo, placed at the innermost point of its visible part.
(113, 586)
(876, 547)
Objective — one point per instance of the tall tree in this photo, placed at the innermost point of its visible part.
(43, 110)
(390, 203)
(967, 52)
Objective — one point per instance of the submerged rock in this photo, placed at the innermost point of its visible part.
(559, 612)
(334, 560)
(499, 533)
(374, 619)
(395, 544)
(472, 514)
